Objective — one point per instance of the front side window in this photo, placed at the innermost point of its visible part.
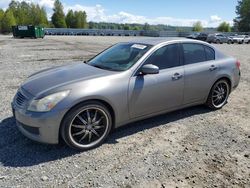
(193, 53)
(165, 57)
(120, 57)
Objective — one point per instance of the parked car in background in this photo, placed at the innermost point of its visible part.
(193, 36)
(219, 38)
(198, 36)
(128, 82)
(240, 39)
(247, 39)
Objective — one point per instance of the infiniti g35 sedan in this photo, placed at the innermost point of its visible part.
(130, 81)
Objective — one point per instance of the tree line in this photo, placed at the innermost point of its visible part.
(23, 13)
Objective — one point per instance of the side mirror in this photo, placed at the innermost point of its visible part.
(149, 69)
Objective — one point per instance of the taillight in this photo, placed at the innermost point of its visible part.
(238, 64)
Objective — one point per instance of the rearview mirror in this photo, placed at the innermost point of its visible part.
(149, 69)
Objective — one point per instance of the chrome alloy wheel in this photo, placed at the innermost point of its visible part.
(220, 93)
(88, 127)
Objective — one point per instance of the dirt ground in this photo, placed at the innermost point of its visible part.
(194, 147)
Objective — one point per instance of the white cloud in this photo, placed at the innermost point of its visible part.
(215, 18)
(98, 13)
(47, 3)
(94, 13)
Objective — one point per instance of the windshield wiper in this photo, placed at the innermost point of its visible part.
(103, 67)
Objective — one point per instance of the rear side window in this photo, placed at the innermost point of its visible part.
(210, 54)
(193, 53)
(165, 57)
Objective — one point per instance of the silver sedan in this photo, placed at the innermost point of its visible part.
(130, 81)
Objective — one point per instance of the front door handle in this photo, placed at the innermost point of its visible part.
(212, 68)
(176, 76)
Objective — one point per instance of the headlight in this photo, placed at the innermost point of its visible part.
(47, 103)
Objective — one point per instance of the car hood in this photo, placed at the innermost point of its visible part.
(48, 79)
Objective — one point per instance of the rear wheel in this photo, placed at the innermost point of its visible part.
(218, 95)
(86, 126)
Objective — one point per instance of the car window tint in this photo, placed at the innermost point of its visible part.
(209, 53)
(193, 53)
(165, 57)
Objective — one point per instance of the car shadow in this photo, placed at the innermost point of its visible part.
(18, 151)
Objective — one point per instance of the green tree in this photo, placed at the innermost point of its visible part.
(70, 19)
(146, 27)
(8, 21)
(1, 17)
(1, 14)
(224, 27)
(242, 21)
(58, 17)
(80, 19)
(39, 15)
(77, 19)
(197, 27)
(126, 27)
(28, 13)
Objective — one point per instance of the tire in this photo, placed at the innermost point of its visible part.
(86, 126)
(217, 41)
(218, 97)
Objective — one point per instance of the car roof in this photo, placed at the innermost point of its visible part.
(160, 40)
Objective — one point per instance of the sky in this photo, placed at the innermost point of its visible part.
(176, 13)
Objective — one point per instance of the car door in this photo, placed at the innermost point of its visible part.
(200, 70)
(224, 38)
(157, 92)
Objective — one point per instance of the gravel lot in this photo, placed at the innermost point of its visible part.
(194, 147)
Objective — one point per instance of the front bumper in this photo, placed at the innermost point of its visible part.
(40, 127)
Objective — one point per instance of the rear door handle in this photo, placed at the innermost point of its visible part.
(212, 68)
(176, 76)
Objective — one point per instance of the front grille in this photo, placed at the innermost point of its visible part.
(20, 99)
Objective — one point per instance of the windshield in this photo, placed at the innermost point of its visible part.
(120, 57)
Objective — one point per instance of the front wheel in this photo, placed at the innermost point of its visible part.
(218, 95)
(86, 126)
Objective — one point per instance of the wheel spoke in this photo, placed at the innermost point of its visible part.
(216, 99)
(98, 127)
(215, 96)
(82, 120)
(88, 116)
(94, 118)
(79, 133)
(78, 126)
(94, 131)
(217, 92)
(98, 122)
(90, 136)
(84, 136)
